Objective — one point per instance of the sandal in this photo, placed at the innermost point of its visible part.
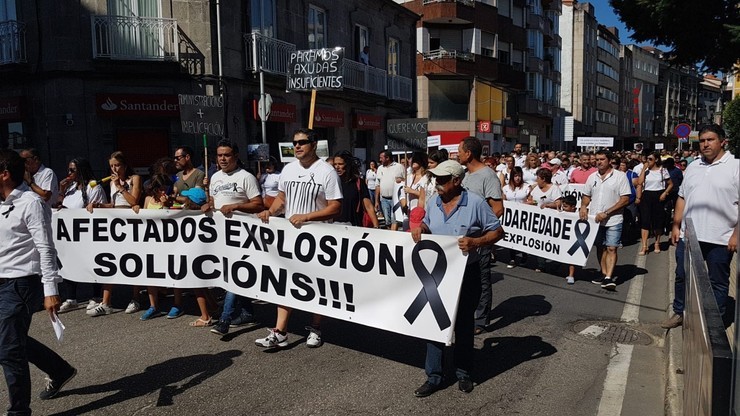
(199, 323)
(643, 251)
(657, 248)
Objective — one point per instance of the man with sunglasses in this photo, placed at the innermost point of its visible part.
(28, 268)
(39, 178)
(466, 215)
(187, 176)
(308, 190)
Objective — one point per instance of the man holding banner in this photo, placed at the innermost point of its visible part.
(457, 212)
(605, 195)
(309, 190)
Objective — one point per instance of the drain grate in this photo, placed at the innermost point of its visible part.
(612, 332)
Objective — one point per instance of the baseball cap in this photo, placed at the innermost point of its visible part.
(555, 161)
(197, 195)
(447, 168)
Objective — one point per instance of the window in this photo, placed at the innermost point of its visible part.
(263, 17)
(362, 39)
(607, 94)
(393, 51)
(316, 28)
(504, 55)
(138, 8)
(488, 44)
(449, 99)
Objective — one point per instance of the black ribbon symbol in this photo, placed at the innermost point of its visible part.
(7, 213)
(430, 281)
(581, 238)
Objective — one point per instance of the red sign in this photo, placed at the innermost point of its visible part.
(328, 118)
(10, 108)
(484, 127)
(682, 130)
(283, 113)
(450, 137)
(367, 122)
(140, 105)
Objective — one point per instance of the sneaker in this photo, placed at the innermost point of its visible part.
(175, 312)
(150, 313)
(570, 279)
(220, 329)
(91, 304)
(245, 318)
(133, 306)
(598, 280)
(511, 264)
(53, 386)
(68, 305)
(609, 283)
(314, 337)
(274, 340)
(674, 322)
(101, 309)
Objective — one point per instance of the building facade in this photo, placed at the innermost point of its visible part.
(645, 76)
(90, 77)
(607, 84)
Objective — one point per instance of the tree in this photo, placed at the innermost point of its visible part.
(703, 32)
(731, 122)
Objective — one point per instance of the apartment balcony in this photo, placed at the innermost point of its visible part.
(535, 21)
(267, 54)
(555, 41)
(365, 78)
(449, 54)
(469, 64)
(135, 38)
(12, 42)
(400, 88)
(528, 104)
(446, 11)
(554, 5)
(535, 64)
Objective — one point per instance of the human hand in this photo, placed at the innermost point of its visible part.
(51, 304)
(264, 216)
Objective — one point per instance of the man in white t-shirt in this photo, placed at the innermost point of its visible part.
(232, 189)
(39, 178)
(559, 177)
(309, 190)
(605, 195)
(709, 196)
(385, 183)
(519, 157)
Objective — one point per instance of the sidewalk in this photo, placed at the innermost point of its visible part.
(674, 343)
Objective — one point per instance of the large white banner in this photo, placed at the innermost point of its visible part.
(575, 189)
(548, 233)
(372, 277)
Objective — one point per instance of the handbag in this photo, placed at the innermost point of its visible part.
(366, 221)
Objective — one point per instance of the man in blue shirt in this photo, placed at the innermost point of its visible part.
(458, 212)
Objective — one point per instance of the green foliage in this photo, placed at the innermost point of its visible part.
(706, 32)
(731, 122)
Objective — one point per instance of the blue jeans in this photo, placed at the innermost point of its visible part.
(371, 192)
(386, 205)
(19, 299)
(235, 306)
(718, 260)
(464, 336)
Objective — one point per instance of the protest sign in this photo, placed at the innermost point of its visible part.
(202, 114)
(377, 278)
(548, 233)
(407, 134)
(316, 69)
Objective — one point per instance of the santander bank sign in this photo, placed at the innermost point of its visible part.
(139, 105)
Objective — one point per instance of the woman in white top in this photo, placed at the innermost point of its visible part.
(531, 164)
(506, 173)
(546, 195)
(269, 182)
(654, 186)
(516, 191)
(75, 192)
(416, 183)
(371, 177)
(126, 191)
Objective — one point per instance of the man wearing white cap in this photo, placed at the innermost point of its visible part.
(559, 178)
(455, 211)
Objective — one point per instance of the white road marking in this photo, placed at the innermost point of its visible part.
(615, 384)
(631, 311)
(593, 331)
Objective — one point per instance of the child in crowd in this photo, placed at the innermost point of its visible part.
(399, 202)
(568, 204)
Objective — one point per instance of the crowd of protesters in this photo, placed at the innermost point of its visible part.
(418, 192)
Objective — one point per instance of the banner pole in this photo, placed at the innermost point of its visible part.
(313, 107)
(205, 160)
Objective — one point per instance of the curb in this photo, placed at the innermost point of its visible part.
(674, 338)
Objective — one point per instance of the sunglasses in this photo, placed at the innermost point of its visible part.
(177, 158)
(442, 180)
(297, 143)
(651, 158)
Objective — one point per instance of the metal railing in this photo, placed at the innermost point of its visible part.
(707, 356)
(268, 54)
(12, 42)
(135, 38)
(449, 54)
(470, 3)
(358, 76)
(400, 88)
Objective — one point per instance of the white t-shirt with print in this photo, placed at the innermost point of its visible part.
(235, 187)
(308, 189)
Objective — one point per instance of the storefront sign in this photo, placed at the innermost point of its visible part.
(139, 105)
(367, 122)
(283, 113)
(202, 114)
(328, 118)
(316, 69)
(10, 108)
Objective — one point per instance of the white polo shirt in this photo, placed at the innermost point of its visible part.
(47, 180)
(604, 193)
(711, 195)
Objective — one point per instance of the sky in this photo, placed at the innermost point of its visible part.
(606, 15)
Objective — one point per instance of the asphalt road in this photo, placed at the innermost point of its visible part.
(531, 361)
